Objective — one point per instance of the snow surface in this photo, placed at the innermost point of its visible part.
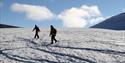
(74, 46)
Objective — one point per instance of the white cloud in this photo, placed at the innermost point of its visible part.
(37, 13)
(94, 21)
(73, 17)
(80, 17)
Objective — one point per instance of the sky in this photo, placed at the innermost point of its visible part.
(60, 13)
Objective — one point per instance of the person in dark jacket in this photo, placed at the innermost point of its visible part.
(53, 32)
(36, 32)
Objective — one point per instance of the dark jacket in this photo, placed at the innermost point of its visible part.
(53, 31)
(36, 28)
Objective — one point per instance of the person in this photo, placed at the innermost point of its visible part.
(53, 32)
(36, 32)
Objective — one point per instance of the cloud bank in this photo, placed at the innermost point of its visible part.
(81, 17)
(75, 17)
(37, 13)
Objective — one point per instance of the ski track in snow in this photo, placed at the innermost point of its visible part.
(74, 46)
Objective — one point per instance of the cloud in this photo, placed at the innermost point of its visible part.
(81, 17)
(94, 21)
(36, 13)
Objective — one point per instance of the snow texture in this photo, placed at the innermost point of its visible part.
(74, 46)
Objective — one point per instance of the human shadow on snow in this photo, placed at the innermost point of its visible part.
(43, 43)
(62, 54)
(27, 40)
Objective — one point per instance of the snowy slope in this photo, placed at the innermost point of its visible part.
(116, 22)
(74, 46)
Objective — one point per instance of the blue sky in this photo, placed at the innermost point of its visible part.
(61, 10)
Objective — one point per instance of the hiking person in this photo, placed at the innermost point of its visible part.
(53, 32)
(36, 28)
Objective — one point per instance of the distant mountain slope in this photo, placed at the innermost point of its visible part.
(116, 23)
(7, 26)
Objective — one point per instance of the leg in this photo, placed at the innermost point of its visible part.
(52, 39)
(38, 36)
(55, 39)
(35, 36)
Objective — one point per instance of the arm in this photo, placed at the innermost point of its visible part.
(33, 29)
(50, 33)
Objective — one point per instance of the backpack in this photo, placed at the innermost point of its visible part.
(53, 31)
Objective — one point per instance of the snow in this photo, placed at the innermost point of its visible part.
(74, 46)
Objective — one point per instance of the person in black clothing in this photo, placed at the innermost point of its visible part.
(53, 32)
(37, 30)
